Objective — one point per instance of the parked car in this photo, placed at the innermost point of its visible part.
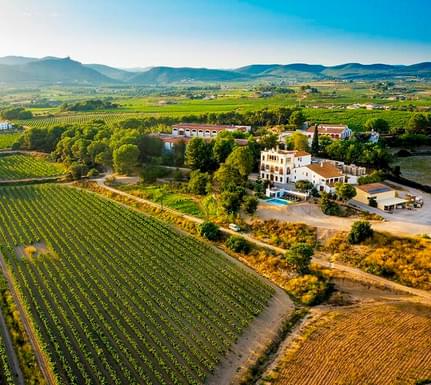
(234, 227)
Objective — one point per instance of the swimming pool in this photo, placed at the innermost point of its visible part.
(277, 202)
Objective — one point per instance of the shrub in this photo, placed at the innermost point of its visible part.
(209, 230)
(308, 289)
(238, 244)
(250, 204)
(149, 174)
(299, 256)
(93, 172)
(303, 185)
(328, 206)
(345, 191)
(374, 177)
(360, 231)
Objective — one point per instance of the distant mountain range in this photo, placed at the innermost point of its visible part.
(51, 70)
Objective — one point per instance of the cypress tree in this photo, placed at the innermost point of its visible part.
(315, 142)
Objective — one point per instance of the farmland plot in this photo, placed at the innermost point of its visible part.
(121, 298)
(381, 344)
(19, 166)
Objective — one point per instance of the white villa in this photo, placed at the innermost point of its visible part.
(278, 165)
(5, 125)
(204, 130)
(282, 167)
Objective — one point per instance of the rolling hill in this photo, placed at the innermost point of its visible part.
(50, 70)
(111, 72)
(17, 69)
(164, 75)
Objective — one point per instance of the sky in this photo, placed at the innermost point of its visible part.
(218, 33)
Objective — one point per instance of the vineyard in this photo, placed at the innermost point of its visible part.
(20, 166)
(356, 346)
(122, 298)
(6, 376)
(8, 139)
(109, 117)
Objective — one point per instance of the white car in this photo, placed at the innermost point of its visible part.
(234, 227)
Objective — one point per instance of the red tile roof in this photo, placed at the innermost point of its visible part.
(325, 170)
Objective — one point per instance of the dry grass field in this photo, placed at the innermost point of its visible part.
(374, 344)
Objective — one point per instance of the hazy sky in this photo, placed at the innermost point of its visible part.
(218, 33)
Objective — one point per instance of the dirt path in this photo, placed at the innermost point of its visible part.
(16, 370)
(40, 356)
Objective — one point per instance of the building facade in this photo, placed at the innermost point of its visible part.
(5, 125)
(204, 130)
(281, 167)
(334, 131)
(277, 165)
(324, 175)
(379, 195)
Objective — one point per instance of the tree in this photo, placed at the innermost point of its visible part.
(374, 177)
(241, 159)
(303, 185)
(209, 205)
(299, 256)
(268, 141)
(198, 155)
(297, 119)
(315, 142)
(328, 206)
(250, 204)
(160, 195)
(227, 178)
(125, 158)
(238, 244)
(198, 182)
(78, 170)
(360, 231)
(231, 201)
(179, 153)
(223, 146)
(418, 124)
(299, 142)
(209, 230)
(377, 124)
(345, 191)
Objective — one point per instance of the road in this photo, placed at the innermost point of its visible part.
(40, 355)
(352, 271)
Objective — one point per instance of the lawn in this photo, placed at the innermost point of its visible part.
(20, 166)
(122, 298)
(182, 202)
